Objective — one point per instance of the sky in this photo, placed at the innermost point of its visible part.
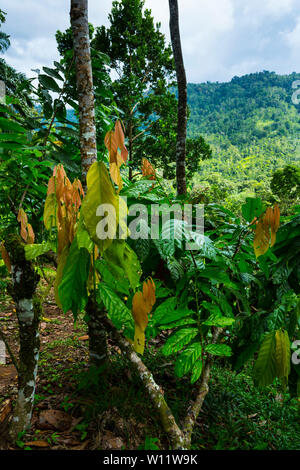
(220, 38)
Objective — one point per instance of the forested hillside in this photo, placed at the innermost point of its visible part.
(252, 126)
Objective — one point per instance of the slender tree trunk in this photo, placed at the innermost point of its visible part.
(88, 146)
(84, 78)
(28, 308)
(97, 334)
(182, 98)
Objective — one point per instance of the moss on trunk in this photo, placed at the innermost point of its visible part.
(28, 307)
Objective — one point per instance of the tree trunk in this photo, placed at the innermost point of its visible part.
(28, 308)
(97, 334)
(84, 79)
(182, 98)
(88, 146)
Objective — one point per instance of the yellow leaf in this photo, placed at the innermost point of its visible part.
(50, 211)
(100, 191)
(115, 174)
(139, 340)
(140, 310)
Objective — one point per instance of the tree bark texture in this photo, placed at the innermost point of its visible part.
(84, 79)
(28, 308)
(88, 147)
(98, 354)
(182, 98)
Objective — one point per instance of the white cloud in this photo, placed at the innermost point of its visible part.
(220, 38)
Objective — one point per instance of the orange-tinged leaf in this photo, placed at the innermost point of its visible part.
(119, 136)
(140, 310)
(31, 236)
(265, 231)
(22, 218)
(147, 169)
(5, 256)
(149, 293)
(111, 145)
(115, 174)
(51, 186)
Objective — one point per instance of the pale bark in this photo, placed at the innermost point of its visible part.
(180, 436)
(24, 283)
(88, 146)
(154, 391)
(182, 98)
(84, 79)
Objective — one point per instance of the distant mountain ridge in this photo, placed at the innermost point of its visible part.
(251, 124)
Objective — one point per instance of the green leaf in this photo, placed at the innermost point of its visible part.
(197, 370)
(178, 340)
(264, 371)
(175, 268)
(216, 320)
(122, 261)
(33, 251)
(187, 359)
(119, 285)
(252, 208)
(83, 237)
(72, 290)
(48, 82)
(119, 314)
(100, 191)
(282, 353)
(218, 349)
(53, 73)
(174, 315)
(7, 124)
(164, 309)
(175, 324)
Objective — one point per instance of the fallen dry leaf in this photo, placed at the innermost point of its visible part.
(54, 419)
(83, 338)
(5, 410)
(37, 444)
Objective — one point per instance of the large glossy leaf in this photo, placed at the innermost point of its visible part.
(72, 290)
(35, 250)
(187, 359)
(178, 340)
(218, 349)
(117, 311)
(123, 262)
(100, 191)
(264, 371)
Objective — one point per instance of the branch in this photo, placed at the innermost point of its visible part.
(155, 393)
